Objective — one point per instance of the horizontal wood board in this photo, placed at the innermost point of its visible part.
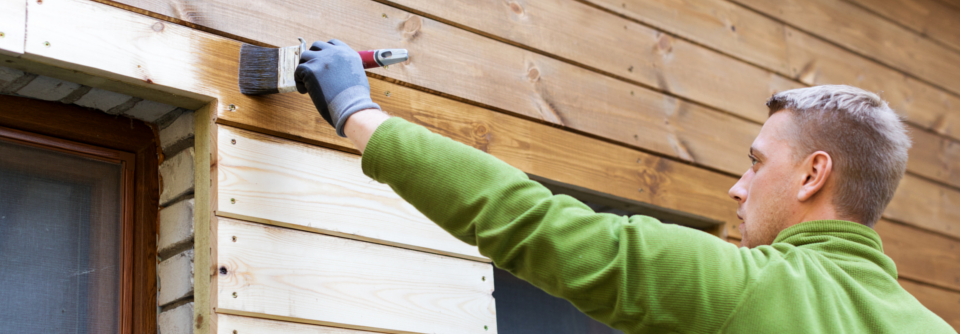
(13, 22)
(744, 34)
(320, 279)
(929, 18)
(281, 182)
(486, 72)
(922, 255)
(868, 35)
(228, 323)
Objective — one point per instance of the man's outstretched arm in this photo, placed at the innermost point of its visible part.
(633, 273)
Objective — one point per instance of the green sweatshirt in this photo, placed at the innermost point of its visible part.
(637, 274)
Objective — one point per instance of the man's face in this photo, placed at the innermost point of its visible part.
(767, 193)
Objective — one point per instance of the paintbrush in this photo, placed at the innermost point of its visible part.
(270, 70)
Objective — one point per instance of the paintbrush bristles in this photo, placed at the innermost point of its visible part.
(259, 70)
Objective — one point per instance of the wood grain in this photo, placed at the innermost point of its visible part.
(717, 24)
(13, 23)
(205, 222)
(868, 35)
(249, 325)
(921, 255)
(616, 46)
(486, 72)
(943, 303)
(346, 283)
(816, 62)
(280, 182)
(929, 18)
(927, 205)
(934, 157)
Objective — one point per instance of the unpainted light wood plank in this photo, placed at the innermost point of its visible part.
(717, 24)
(275, 181)
(816, 62)
(942, 302)
(930, 18)
(921, 255)
(471, 67)
(592, 37)
(322, 279)
(868, 35)
(13, 24)
(249, 325)
(204, 222)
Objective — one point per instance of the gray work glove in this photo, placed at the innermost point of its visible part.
(333, 75)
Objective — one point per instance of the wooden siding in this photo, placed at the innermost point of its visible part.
(657, 102)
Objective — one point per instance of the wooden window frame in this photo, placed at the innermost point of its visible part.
(131, 143)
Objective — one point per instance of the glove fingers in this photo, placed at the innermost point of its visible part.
(337, 42)
(308, 56)
(298, 77)
(319, 45)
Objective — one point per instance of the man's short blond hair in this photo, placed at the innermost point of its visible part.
(865, 139)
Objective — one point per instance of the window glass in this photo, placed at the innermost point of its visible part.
(60, 240)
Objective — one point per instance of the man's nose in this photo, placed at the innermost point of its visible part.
(739, 190)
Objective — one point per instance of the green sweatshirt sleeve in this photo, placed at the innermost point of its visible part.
(632, 273)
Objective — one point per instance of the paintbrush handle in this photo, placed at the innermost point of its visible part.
(383, 57)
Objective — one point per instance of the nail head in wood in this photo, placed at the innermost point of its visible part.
(387, 93)
(233, 141)
(47, 44)
(233, 201)
(232, 107)
(234, 295)
(2, 35)
(234, 238)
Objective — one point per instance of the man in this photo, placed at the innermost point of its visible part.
(826, 163)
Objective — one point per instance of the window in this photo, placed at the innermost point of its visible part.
(78, 210)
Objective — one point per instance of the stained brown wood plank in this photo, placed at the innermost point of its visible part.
(617, 46)
(717, 24)
(921, 255)
(934, 157)
(270, 180)
(320, 279)
(453, 61)
(816, 62)
(249, 325)
(13, 23)
(808, 59)
(869, 36)
(930, 18)
(926, 205)
(944, 303)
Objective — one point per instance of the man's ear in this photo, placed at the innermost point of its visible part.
(817, 168)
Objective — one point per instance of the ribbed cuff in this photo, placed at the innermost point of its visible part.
(377, 153)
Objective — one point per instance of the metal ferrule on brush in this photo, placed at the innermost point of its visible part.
(289, 59)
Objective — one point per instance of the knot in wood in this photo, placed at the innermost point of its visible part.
(533, 74)
(516, 8)
(664, 43)
(411, 27)
(158, 27)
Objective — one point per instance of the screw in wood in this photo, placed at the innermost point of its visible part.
(387, 93)
(384, 15)
(631, 93)
(233, 141)
(641, 189)
(234, 238)
(232, 107)
(40, 2)
(233, 201)
(485, 327)
(47, 44)
(234, 295)
(234, 331)
(2, 35)
(483, 278)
